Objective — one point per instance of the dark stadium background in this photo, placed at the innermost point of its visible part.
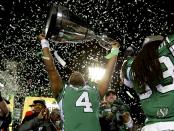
(128, 21)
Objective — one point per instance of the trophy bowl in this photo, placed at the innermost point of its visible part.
(63, 26)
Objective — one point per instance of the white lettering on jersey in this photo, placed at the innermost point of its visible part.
(172, 49)
(83, 100)
(147, 94)
(162, 112)
(168, 73)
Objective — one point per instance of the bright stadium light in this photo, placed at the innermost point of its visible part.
(1, 85)
(96, 73)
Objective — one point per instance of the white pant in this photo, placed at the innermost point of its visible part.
(160, 126)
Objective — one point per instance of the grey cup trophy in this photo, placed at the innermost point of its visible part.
(63, 26)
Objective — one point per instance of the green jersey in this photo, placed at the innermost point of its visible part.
(158, 106)
(80, 108)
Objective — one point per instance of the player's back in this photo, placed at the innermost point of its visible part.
(158, 104)
(80, 108)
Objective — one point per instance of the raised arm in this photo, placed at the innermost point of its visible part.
(54, 77)
(112, 58)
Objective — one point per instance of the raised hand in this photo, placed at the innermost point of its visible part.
(115, 44)
(41, 36)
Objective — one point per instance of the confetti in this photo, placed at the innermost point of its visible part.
(22, 20)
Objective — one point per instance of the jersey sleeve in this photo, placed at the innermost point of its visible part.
(61, 94)
(169, 41)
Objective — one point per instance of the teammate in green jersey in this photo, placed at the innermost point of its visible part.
(152, 75)
(79, 102)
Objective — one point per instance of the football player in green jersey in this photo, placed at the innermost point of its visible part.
(152, 73)
(79, 102)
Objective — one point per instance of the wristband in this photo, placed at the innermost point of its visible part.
(114, 52)
(39, 54)
(44, 43)
(129, 124)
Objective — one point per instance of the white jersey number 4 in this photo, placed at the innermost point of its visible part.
(83, 100)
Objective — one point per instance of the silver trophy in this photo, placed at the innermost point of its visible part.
(63, 26)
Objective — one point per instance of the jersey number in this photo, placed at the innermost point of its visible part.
(83, 100)
(167, 74)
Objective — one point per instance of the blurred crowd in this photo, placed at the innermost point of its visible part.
(114, 115)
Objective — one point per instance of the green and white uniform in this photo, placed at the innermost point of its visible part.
(158, 106)
(80, 108)
(126, 70)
